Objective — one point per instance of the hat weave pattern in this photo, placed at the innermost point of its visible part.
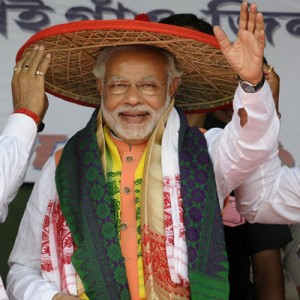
(207, 81)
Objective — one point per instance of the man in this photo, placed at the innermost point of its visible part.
(129, 212)
(20, 131)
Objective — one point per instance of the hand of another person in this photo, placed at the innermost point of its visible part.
(245, 55)
(28, 81)
(274, 82)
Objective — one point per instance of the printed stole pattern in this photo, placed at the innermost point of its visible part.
(91, 216)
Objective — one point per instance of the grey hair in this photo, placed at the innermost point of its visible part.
(107, 52)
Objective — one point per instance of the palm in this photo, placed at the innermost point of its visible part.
(245, 55)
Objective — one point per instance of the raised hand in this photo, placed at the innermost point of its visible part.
(28, 81)
(245, 55)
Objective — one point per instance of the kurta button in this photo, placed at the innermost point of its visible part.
(126, 190)
(123, 226)
(124, 259)
(129, 159)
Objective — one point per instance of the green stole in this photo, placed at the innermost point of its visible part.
(88, 206)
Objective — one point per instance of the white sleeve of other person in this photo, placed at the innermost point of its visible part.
(279, 201)
(238, 152)
(266, 192)
(16, 146)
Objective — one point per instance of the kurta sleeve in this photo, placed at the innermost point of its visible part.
(236, 151)
(16, 146)
(279, 203)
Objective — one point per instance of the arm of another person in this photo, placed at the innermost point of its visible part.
(246, 142)
(16, 146)
(280, 201)
(19, 134)
(236, 151)
(263, 243)
(268, 275)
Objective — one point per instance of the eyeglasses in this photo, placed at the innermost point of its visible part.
(147, 88)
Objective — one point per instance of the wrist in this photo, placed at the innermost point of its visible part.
(253, 82)
(29, 113)
(249, 87)
(40, 125)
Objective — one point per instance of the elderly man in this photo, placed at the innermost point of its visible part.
(129, 209)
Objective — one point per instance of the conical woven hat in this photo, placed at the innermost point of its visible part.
(208, 81)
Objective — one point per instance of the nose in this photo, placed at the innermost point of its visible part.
(133, 96)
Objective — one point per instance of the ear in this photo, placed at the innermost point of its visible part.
(173, 86)
(99, 86)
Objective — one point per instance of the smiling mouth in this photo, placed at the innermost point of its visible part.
(134, 117)
(134, 114)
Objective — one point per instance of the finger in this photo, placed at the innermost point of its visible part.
(25, 56)
(222, 38)
(260, 23)
(261, 40)
(19, 65)
(44, 64)
(244, 15)
(36, 58)
(29, 58)
(252, 17)
(268, 69)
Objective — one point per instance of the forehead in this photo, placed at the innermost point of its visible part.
(137, 63)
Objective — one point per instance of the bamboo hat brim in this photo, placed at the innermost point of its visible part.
(208, 81)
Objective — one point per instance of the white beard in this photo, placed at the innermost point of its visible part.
(133, 131)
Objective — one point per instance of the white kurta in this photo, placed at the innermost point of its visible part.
(16, 145)
(237, 153)
(279, 200)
